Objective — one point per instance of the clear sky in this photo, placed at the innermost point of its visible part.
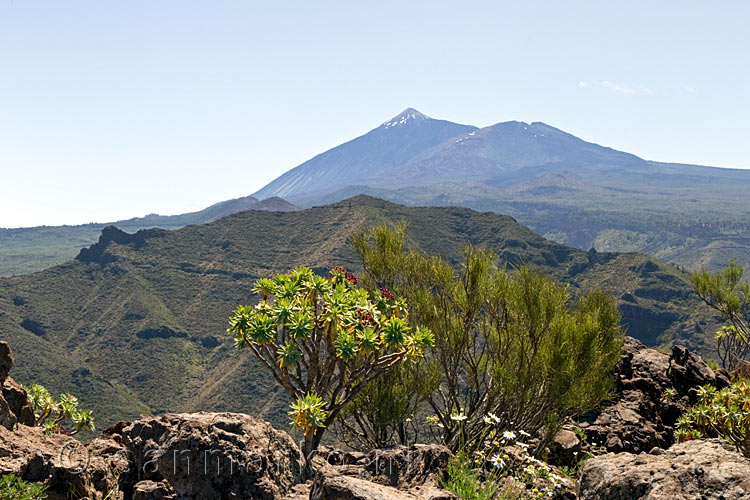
(116, 109)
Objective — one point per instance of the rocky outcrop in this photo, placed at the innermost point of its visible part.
(640, 417)
(62, 463)
(695, 470)
(6, 361)
(14, 405)
(110, 234)
(209, 456)
(400, 473)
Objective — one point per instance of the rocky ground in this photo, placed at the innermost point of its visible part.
(234, 456)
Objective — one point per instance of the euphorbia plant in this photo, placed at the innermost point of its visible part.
(324, 340)
(52, 415)
(721, 413)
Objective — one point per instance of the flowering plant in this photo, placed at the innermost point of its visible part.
(499, 454)
(324, 340)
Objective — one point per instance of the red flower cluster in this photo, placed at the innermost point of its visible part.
(386, 294)
(347, 275)
(366, 318)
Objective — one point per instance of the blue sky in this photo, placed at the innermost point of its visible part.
(116, 109)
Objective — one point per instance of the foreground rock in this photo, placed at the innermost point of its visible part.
(696, 470)
(640, 418)
(400, 473)
(62, 463)
(208, 456)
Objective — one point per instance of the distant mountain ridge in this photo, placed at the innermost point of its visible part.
(405, 138)
(412, 149)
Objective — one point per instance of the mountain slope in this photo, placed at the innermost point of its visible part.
(399, 141)
(25, 250)
(137, 322)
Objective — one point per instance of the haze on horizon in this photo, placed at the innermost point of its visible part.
(116, 111)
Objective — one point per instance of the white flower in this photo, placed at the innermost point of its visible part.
(509, 435)
(494, 417)
(488, 420)
(523, 445)
(459, 417)
(497, 462)
(524, 433)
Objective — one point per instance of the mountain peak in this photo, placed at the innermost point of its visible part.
(405, 116)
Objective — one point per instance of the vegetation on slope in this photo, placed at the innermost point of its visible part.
(136, 324)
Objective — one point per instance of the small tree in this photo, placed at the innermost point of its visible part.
(53, 415)
(324, 340)
(726, 294)
(509, 346)
(386, 412)
(724, 414)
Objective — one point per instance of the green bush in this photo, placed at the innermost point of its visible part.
(53, 415)
(721, 413)
(730, 297)
(324, 340)
(15, 488)
(512, 344)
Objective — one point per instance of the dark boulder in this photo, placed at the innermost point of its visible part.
(642, 415)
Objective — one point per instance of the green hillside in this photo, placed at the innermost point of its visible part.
(136, 324)
(30, 249)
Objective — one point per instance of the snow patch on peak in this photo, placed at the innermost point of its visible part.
(409, 114)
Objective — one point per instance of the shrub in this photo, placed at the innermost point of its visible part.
(324, 340)
(386, 412)
(506, 343)
(721, 413)
(15, 488)
(730, 297)
(53, 415)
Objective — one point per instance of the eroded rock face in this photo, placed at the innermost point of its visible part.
(6, 361)
(639, 419)
(62, 463)
(14, 405)
(695, 470)
(211, 456)
(400, 473)
(408, 473)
